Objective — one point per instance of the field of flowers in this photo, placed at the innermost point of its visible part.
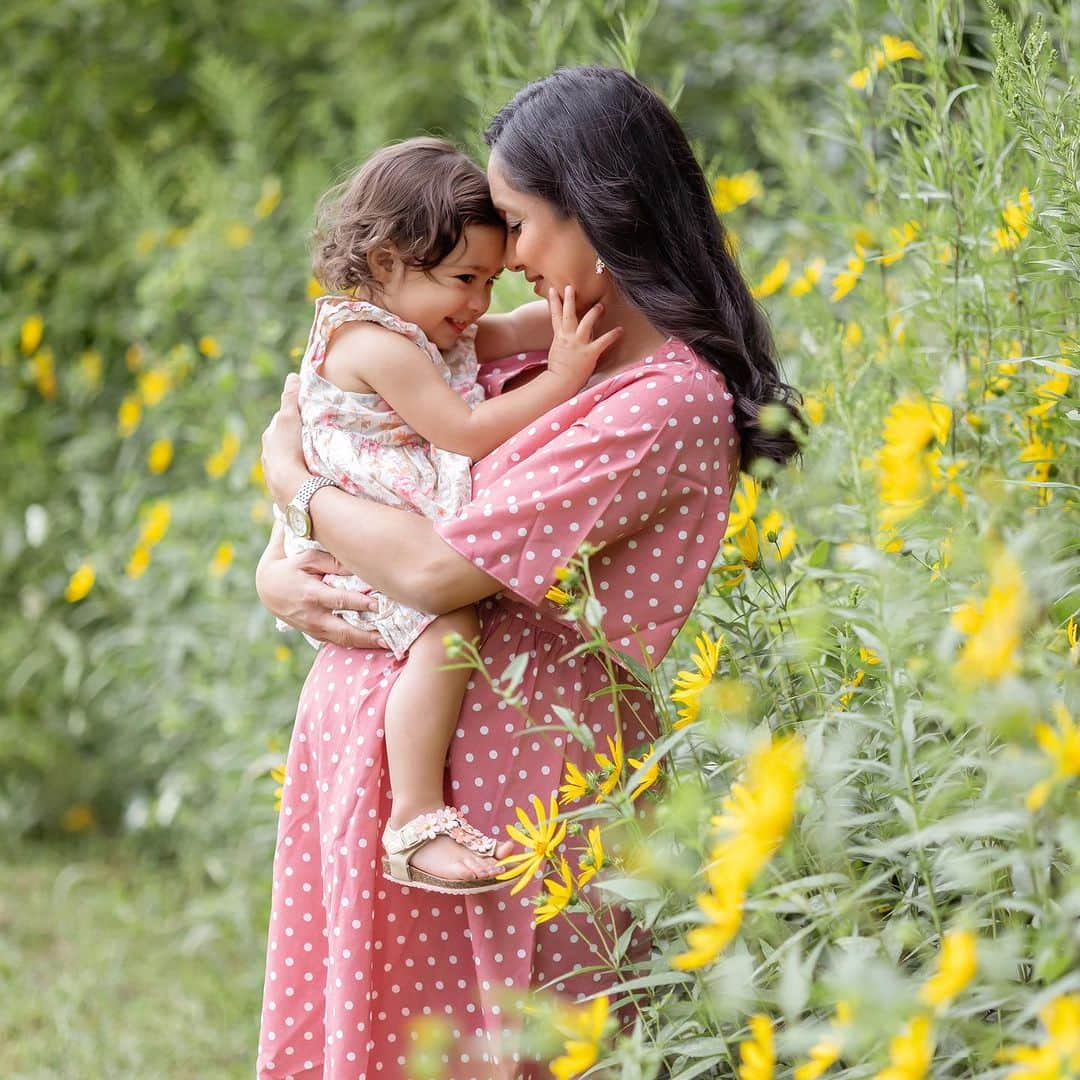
(856, 840)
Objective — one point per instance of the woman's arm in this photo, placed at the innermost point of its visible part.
(397, 552)
(525, 329)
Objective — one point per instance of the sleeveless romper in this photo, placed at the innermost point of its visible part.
(359, 442)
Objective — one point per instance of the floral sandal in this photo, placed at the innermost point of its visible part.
(401, 844)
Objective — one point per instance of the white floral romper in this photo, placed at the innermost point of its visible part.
(359, 442)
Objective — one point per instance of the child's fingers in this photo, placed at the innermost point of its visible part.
(555, 310)
(597, 347)
(588, 321)
(569, 311)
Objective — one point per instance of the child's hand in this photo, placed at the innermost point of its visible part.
(573, 354)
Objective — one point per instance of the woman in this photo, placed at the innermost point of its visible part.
(600, 190)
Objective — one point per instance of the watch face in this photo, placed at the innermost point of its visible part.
(297, 520)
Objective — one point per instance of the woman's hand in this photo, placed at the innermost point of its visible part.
(293, 590)
(282, 452)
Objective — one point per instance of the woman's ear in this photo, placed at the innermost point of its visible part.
(383, 263)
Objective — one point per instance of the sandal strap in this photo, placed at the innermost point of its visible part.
(447, 820)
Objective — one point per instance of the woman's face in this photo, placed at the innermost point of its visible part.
(552, 251)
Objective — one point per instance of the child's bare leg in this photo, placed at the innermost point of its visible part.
(421, 717)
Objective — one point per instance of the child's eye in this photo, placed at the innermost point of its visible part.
(513, 226)
(467, 278)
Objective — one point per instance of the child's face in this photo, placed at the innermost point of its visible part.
(447, 299)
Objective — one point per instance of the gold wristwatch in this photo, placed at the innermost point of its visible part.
(296, 513)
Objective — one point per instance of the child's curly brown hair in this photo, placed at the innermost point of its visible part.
(415, 197)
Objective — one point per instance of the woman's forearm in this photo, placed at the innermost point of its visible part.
(397, 552)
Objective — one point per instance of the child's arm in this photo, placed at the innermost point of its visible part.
(522, 330)
(406, 379)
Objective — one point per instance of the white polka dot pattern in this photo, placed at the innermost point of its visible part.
(353, 961)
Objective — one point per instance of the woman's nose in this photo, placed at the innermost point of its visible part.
(510, 255)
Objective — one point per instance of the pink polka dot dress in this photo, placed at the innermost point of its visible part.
(358, 968)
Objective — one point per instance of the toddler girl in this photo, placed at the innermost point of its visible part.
(391, 410)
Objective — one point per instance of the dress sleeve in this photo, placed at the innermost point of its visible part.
(655, 456)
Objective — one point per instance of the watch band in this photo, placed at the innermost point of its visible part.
(307, 489)
(296, 513)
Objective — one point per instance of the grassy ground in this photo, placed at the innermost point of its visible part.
(114, 966)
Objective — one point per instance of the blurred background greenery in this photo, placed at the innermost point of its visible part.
(159, 163)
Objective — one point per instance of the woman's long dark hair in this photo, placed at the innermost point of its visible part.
(605, 150)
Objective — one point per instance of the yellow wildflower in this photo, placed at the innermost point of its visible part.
(1042, 456)
(847, 279)
(757, 1055)
(1062, 747)
(219, 463)
(902, 238)
(869, 656)
(592, 860)
(772, 280)
(1072, 636)
(156, 523)
(559, 892)
(30, 335)
(237, 234)
(845, 698)
(732, 570)
(1017, 217)
(1050, 392)
(993, 624)
(907, 461)
(222, 560)
(650, 776)
(723, 910)
(612, 766)
(743, 505)
(689, 684)
(957, 965)
(895, 49)
(153, 385)
(757, 812)
(277, 774)
(583, 1029)
(160, 456)
(540, 839)
(209, 347)
(859, 80)
(826, 1051)
(814, 408)
(133, 357)
(732, 191)
(44, 373)
(80, 583)
(314, 289)
(853, 335)
(138, 562)
(910, 1052)
(269, 197)
(747, 541)
(574, 784)
(810, 276)
(558, 596)
(1058, 1056)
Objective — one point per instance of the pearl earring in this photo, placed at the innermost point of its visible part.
(600, 266)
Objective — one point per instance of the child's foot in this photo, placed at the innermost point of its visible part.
(446, 858)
